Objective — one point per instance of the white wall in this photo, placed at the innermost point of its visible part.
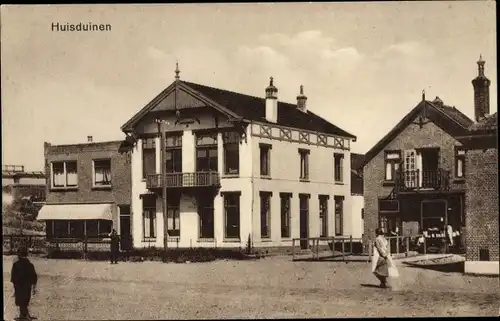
(285, 172)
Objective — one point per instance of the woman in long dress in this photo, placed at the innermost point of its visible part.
(381, 258)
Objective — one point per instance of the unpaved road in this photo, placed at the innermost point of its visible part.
(269, 288)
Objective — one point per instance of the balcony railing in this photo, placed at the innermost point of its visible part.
(414, 180)
(196, 179)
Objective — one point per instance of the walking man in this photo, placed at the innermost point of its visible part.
(24, 279)
(115, 247)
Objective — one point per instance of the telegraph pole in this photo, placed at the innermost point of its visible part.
(163, 158)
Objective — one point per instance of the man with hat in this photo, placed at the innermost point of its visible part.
(24, 279)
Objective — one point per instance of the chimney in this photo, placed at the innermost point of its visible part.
(301, 100)
(438, 101)
(481, 86)
(271, 102)
(89, 139)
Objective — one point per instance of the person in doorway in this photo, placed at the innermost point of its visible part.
(24, 279)
(380, 260)
(115, 247)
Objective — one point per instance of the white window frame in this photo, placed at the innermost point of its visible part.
(66, 186)
(93, 173)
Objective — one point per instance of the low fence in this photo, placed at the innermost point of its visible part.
(348, 248)
(99, 249)
(35, 243)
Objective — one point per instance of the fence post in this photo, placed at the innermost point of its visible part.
(343, 249)
(293, 249)
(370, 250)
(317, 248)
(350, 249)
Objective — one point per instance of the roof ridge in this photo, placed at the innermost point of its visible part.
(438, 108)
(234, 92)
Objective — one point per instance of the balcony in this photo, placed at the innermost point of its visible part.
(181, 180)
(423, 180)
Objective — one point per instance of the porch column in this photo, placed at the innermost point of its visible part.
(220, 154)
(158, 155)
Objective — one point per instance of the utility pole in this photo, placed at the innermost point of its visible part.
(163, 139)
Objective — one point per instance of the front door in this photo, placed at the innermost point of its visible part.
(304, 222)
(125, 228)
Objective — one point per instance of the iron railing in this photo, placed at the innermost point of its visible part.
(413, 180)
(196, 179)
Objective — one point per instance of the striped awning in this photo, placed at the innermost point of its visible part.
(76, 212)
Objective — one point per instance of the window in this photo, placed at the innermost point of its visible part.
(173, 154)
(98, 228)
(64, 174)
(265, 214)
(148, 156)
(304, 164)
(173, 215)
(323, 215)
(77, 229)
(232, 215)
(339, 213)
(102, 172)
(61, 228)
(231, 153)
(265, 160)
(206, 214)
(459, 162)
(392, 160)
(149, 216)
(206, 152)
(285, 214)
(338, 167)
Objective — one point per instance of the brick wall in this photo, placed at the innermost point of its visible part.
(430, 135)
(481, 203)
(119, 193)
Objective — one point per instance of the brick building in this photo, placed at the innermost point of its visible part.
(482, 213)
(88, 190)
(415, 177)
(236, 168)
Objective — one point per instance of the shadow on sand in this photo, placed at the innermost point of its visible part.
(373, 286)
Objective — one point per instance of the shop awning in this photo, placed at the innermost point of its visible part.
(75, 212)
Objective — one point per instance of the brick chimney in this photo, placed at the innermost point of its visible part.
(89, 139)
(302, 100)
(481, 86)
(271, 102)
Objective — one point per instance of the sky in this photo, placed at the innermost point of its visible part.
(363, 65)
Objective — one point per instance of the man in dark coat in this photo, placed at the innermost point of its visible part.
(24, 279)
(115, 247)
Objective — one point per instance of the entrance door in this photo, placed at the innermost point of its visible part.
(125, 228)
(410, 168)
(304, 221)
(430, 164)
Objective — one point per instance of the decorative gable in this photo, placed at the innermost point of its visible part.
(184, 100)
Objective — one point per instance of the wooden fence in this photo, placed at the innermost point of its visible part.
(343, 248)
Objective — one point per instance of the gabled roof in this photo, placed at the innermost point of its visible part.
(450, 119)
(248, 107)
